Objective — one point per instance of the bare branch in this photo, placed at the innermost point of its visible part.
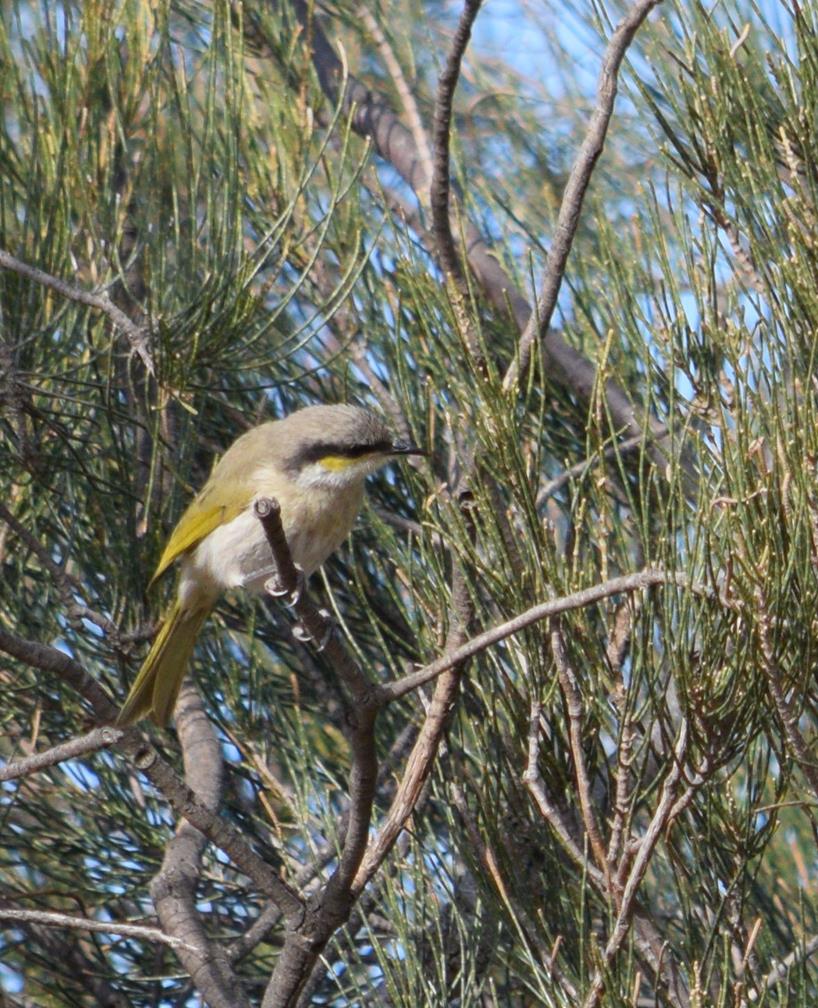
(136, 335)
(58, 663)
(99, 738)
(421, 760)
(50, 918)
(372, 117)
(573, 702)
(441, 138)
(173, 889)
(577, 600)
(532, 779)
(227, 838)
(314, 625)
(539, 323)
(404, 91)
(669, 807)
(303, 944)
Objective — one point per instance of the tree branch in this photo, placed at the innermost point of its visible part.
(667, 810)
(145, 758)
(424, 752)
(577, 600)
(303, 943)
(50, 918)
(573, 702)
(537, 327)
(372, 117)
(98, 738)
(136, 335)
(173, 889)
(441, 139)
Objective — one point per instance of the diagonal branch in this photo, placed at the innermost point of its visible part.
(373, 118)
(647, 578)
(50, 918)
(441, 138)
(422, 757)
(568, 219)
(136, 335)
(93, 741)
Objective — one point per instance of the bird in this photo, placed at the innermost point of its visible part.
(314, 463)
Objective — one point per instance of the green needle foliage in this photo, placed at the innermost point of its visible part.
(617, 806)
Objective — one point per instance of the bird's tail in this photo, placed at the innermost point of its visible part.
(159, 680)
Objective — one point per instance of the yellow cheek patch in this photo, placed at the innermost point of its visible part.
(336, 462)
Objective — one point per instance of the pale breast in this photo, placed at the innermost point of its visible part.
(237, 553)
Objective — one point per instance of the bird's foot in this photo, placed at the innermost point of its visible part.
(275, 588)
(302, 634)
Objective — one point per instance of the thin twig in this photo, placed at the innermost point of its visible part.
(136, 335)
(50, 918)
(533, 781)
(372, 117)
(615, 653)
(573, 701)
(577, 600)
(315, 625)
(58, 663)
(575, 188)
(438, 715)
(185, 804)
(98, 738)
(441, 138)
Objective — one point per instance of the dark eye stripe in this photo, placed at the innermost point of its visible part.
(318, 451)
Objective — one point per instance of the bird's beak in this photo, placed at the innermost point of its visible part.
(406, 448)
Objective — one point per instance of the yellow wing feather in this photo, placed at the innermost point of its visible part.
(214, 506)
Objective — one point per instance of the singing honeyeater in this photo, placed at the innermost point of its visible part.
(314, 462)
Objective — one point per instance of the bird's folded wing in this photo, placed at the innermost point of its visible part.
(208, 511)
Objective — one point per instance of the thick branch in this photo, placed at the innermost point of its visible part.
(173, 889)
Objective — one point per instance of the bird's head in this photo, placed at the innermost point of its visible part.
(336, 446)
